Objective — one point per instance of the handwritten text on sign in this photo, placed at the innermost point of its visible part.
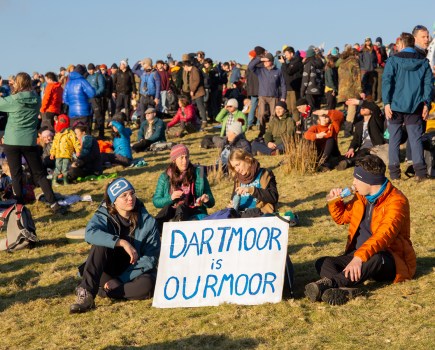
(206, 263)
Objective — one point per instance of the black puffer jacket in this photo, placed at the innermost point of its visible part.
(313, 81)
(292, 72)
(123, 82)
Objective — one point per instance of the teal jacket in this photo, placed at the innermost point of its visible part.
(162, 195)
(104, 229)
(222, 117)
(23, 109)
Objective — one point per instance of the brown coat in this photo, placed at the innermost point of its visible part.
(194, 81)
(349, 79)
(390, 228)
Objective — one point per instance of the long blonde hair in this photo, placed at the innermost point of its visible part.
(240, 155)
(23, 82)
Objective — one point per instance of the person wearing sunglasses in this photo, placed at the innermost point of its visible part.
(123, 258)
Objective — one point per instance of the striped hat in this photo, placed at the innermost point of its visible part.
(178, 151)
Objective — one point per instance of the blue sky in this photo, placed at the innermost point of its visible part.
(42, 35)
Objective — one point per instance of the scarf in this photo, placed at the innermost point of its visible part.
(250, 176)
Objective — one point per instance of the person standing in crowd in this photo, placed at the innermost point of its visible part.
(122, 262)
(164, 86)
(77, 94)
(150, 85)
(331, 82)
(378, 245)
(151, 130)
(52, 100)
(20, 139)
(193, 84)
(124, 87)
(97, 81)
(255, 185)
(406, 93)
(381, 54)
(313, 83)
(271, 88)
(252, 86)
(292, 69)
(421, 40)
(62, 76)
(215, 82)
(182, 192)
(280, 131)
(368, 63)
(106, 99)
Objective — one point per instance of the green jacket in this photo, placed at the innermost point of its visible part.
(222, 117)
(162, 195)
(23, 109)
(279, 128)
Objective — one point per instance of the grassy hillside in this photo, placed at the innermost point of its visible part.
(36, 286)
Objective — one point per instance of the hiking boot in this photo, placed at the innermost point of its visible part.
(420, 178)
(342, 165)
(314, 290)
(84, 301)
(323, 169)
(340, 296)
(58, 209)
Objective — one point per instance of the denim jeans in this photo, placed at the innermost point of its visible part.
(162, 103)
(251, 115)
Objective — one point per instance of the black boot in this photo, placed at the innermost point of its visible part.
(340, 296)
(314, 290)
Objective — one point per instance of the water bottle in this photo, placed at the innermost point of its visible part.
(347, 191)
(236, 201)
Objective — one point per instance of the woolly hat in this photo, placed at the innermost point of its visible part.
(259, 50)
(281, 104)
(233, 103)
(91, 66)
(301, 102)
(118, 187)
(81, 69)
(235, 127)
(334, 52)
(147, 61)
(103, 66)
(114, 66)
(310, 53)
(125, 62)
(178, 151)
(62, 123)
(378, 40)
(302, 54)
(269, 56)
(252, 53)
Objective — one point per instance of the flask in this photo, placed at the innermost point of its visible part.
(236, 201)
(347, 191)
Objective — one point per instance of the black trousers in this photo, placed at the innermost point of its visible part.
(314, 100)
(327, 148)
(380, 267)
(33, 158)
(48, 120)
(145, 102)
(99, 114)
(115, 159)
(181, 213)
(104, 264)
(123, 101)
(141, 145)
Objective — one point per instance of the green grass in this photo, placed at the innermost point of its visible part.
(36, 286)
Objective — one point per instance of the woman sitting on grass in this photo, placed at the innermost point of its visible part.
(125, 249)
(183, 191)
(255, 185)
(185, 120)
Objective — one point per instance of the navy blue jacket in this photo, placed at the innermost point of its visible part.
(104, 230)
(76, 95)
(271, 81)
(98, 82)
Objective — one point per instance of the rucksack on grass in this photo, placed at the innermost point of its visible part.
(17, 229)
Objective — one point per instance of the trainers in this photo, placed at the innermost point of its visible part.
(84, 301)
(314, 290)
(58, 209)
(340, 296)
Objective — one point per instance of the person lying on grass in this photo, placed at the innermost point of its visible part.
(378, 245)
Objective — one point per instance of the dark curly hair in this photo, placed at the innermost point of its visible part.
(373, 164)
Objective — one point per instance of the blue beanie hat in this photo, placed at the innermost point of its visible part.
(118, 187)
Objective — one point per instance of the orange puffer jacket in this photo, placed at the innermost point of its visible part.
(390, 228)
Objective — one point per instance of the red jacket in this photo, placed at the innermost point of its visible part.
(52, 99)
(331, 130)
(390, 226)
(188, 116)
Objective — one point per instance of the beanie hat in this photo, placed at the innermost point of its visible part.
(103, 66)
(80, 68)
(178, 151)
(124, 62)
(310, 53)
(301, 102)
(281, 104)
(114, 66)
(235, 127)
(302, 54)
(232, 102)
(62, 123)
(269, 56)
(379, 40)
(147, 61)
(252, 53)
(91, 66)
(259, 50)
(334, 52)
(118, 187)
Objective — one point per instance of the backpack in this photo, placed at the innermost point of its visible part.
(20, 228)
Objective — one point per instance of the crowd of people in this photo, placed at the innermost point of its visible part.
(381, 96)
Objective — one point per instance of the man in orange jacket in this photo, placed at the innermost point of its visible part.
(52, 100)
(378, 245)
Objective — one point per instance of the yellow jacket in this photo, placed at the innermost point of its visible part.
(65, 143)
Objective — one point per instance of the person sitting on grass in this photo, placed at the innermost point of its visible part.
(378, 245)
(229, 114)
(325, 134)
(368, 137)
(182, 192)
(122, 263)
(186, 117)
(151, 130)
(280, 129)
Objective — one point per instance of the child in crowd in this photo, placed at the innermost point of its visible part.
(65, 144)
(121, 142)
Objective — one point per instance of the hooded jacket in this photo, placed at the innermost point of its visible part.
(52, 100)
(104, 230)
(407, 81)
(23, 109)
(65, 144)
(280, 128)
(121, 145)
(390, 228)
(313, 80)
(77, 94)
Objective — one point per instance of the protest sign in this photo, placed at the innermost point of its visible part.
(207, 263)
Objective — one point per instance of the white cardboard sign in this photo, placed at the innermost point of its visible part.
(207, 263)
